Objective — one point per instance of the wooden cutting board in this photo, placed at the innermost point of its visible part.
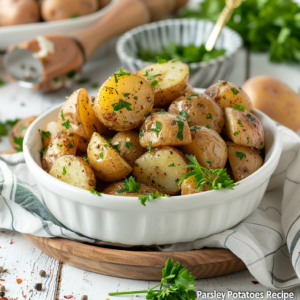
(132, 264)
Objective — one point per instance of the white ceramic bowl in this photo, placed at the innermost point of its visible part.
(164, 220)
(10, 35)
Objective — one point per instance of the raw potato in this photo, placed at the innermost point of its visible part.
(208, 147)
(53, 10)
(275, 99)
(244, 128)
(75, 171)
(246, 166)
(228, 94)
(63, 144)
(53, 128)
(19, 130)
(19, 12)
(111, 166)
(171, 82)
(130, 90)
(201, 109)
(170, 133)
(128, 145)
(79, 112)
(115, 187)
(155, 168)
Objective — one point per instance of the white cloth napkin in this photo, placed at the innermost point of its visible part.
(267, 241)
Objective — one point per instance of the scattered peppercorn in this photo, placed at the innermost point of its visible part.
(2, 288)
(43, 273)
(2, 294)
(84, 297)
(38, 286)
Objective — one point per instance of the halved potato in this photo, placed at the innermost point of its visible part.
(129, 146)
(53, 128)
(189, 187)
(228, 94)
(244, 128)
(114, 188)
(164, 129)
(244, 161)
(169, 80)
(106, 161)
(123, 102)
(200, 110)
(208, 147)
(75, 171)
(77, 116)
(161, 168)
(63, 144)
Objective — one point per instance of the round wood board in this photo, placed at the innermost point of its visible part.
(142, 265)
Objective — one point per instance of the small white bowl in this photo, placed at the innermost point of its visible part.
(175, 219)
(183, 32)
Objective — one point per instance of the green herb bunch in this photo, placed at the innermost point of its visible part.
(177, 283)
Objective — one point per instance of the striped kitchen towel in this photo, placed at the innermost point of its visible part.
(267, 241)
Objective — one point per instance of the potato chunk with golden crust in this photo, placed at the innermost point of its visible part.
(128, 145)
(169, 81)
(161, 168)
(200, 110)
(123, 102)
(164, 129)
(244, 128)
(244, 161)
(208, 147)
(106, 160)
(228, 94)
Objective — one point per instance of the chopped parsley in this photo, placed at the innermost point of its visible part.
(261, 146)
(126, 94)
(59, 145)
(161, 111)
(209, 162)
(128, 144)
(108, 139)
(149, 147)
(19, 141)
(147, 114)
(130, 186)
(208, 126)
(95, 85)
(62, 115)
(239, 107)
(71, 145)
(64, 172)
(86, 159)
(154, 83)
(171, 165)
(194, 128)
(157, 129)
(180, 129)
(209, 116)
(161, 60)
(234, 91)
(120, 73)
(183, 114)
(101, 155)
(150, 197)
(122, 104)
(66, 124)
(94, 192)
(43, 151)
(116, 146)
(240, 123)
(251, 117)
(141, 134)
(22, 127)
(240, 155)
(236, 133)
(248, 140)
(150, 77)
(192, 95)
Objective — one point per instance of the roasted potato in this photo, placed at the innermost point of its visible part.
(276, 99)
(128, 145)
(63, 144)
(75, 171)
(77, 116)
(114, 188)
(228, 94)
(18, 131)
(200, 110)
(19, 12)
(53, 128)
(244, 128)
(106, 160)
(189, 187)
(164, 129)
(82, 144)
(161, 168)
(53, 10)
(208, 147)
(124, 101)
(169, 81)
(244, 161)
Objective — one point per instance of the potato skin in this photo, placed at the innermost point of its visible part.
(172, 81)
(276, 99)
(130, 152)
(168, 133)
(78, 172)
(112, 166)
(116, 186)
(208, 147)
(18, 12)
(228, 94)
(202, 111)
(244, 167)
(140, 99)
(155, 168)
(60, 146)
(53, 10)
(19, 130)
(54, 129)
(244, 128)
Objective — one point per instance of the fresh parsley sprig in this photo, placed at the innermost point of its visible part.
(150, 197)
(130, 186)
(157, 129)
(122, 104)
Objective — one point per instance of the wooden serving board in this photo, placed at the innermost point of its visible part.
(131, 264)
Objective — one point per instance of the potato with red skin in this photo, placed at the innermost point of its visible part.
(228, 94)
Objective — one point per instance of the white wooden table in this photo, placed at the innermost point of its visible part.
(24, 261)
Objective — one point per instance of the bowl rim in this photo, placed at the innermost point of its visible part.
(213, 197)
(123, 55)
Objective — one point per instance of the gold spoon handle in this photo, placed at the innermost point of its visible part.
(222, 20)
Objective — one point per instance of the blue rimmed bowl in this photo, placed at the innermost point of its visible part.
(183, 32)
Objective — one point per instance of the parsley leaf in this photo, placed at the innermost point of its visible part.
(122, 104)
(66, 124)
(128, 144)
(209, 162)
(150, 197)
(192, 95)
(161, 111)
(101, 155)
(86, 159)
(126, 94)
(183, 114)
(157, 129)
(154, 83)
(19, 141)
(261, 146)
(94, 192)
(208, 126)
(161, 60)
(149, 147)
(64, 172)
(171, 165)
(43, 151)
(250, 117)
(3, 129)
(180, 129)
(120, 73)
(108, 139)
(236, 133)
(22, 127)
(240, 123)
(62, 115)
(234, 91)
(71, 145)
(59, 145)
(116, 146)
(239, 107)
(240, 155)
(130, 186)
(209, 116)
(248, 141)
